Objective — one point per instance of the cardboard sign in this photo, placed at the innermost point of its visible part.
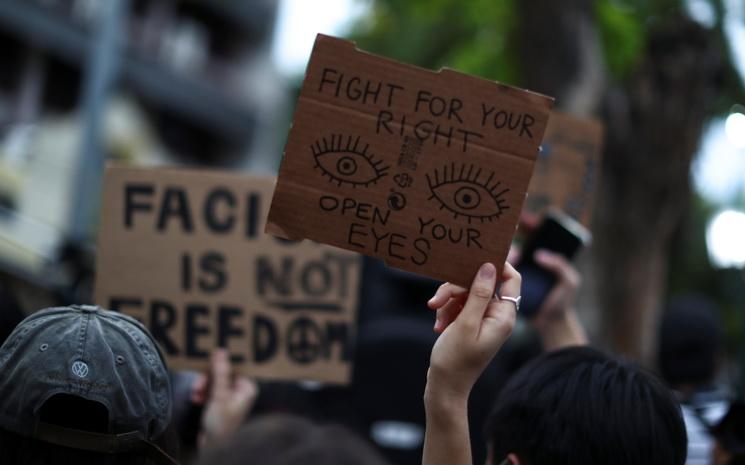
(425, 170)
(567, 171)
(184, 252)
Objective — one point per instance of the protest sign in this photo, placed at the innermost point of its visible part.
(567, 170)
(184, 252)
(425, 170)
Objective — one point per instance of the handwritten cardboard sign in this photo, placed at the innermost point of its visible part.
(425, 170)
(184, 252)
(567, 171)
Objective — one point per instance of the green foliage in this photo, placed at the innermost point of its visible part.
(622, 34)
(472, 36)
(475, 37)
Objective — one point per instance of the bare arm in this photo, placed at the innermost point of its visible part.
(474, 325)
(556, 321)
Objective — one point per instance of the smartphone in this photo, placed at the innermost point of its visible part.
(558, 233)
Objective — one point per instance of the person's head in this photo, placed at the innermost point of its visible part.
(82, 385)
(292, 440)
(577, 406)
(690, 342)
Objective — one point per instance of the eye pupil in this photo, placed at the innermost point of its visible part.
(467, 198)
(468, 191)
(346, 166)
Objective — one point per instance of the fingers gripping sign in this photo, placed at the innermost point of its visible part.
(473, 324)
(448, 301)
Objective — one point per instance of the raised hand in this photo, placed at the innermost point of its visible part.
(227, 402)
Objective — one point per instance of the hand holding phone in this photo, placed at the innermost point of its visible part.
(557, 233)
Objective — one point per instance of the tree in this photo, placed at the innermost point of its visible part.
(653, 76)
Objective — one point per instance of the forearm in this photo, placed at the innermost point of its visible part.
(447, 440)
(460, 355)
(563, 331)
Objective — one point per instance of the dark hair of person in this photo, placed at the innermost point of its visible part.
(580, 406)
(73, 412)
(290, 440)
(691, 341)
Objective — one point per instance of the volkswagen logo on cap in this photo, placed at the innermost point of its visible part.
(80, 369)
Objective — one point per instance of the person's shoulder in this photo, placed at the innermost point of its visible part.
(699, 440)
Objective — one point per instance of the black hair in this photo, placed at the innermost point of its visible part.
(580, 406)
(77, 413)
(292, 440)
(691, 341)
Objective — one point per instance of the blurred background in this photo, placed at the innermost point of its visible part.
(213, 84)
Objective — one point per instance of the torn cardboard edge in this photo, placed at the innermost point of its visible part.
(512, 99)
(293, 214)
(442, 71)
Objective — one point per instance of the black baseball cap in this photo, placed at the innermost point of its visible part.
(93, 354)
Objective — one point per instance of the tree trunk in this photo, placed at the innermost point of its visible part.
(653, 127)
(562, 57)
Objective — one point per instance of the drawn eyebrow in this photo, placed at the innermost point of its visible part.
(450, 177)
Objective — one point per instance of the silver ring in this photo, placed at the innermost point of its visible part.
(514, 300)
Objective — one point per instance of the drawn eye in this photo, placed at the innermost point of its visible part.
(345, 162)
(466, 192)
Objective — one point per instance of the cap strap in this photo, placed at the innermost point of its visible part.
(100, 442)
(157, 454)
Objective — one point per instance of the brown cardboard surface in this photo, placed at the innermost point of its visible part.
(425, 170)
(184, 251)
(567, 171)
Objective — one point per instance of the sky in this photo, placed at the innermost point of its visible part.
(299, 21)
(719, 171)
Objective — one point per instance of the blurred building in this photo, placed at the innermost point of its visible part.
(136, 81)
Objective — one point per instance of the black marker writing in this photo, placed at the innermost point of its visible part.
(440, 232)
(425, 130)
(172, 208)
(351, 207)
(502, 119)
(356, 89)
(467, 191)
(437, 106)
